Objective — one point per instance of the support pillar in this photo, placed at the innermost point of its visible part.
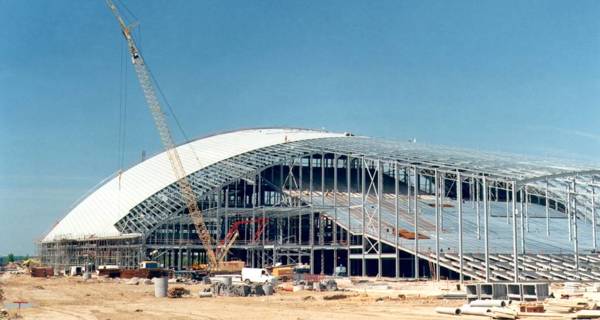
(594, 239)
(576, 238)
(397, 212)
(416, 207)
(460, 225)
(437, 225)
(514, 233)
(486, 230)
(349, 235)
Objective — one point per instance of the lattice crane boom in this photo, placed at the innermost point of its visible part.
(166, 138)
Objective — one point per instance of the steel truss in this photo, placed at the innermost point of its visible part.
(344, 201)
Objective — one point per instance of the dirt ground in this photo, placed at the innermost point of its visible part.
(73, 298)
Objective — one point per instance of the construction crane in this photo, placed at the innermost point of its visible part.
(167, 140)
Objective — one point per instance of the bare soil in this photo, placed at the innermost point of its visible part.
(73, 298)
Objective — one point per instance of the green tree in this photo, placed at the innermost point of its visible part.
(11, 257)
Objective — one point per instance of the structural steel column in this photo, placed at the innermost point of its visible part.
(323, 179)
(460, 225)
(594, 241)
(321, 217)
(507, 204)
(547, 208)
(397, 212)
(576, 240)
(226, 213)
(379, 196)
(486, 230)
(514, 232)
(260, 203)
(442, 197)
(362, 213)
(526, 209)
(568, 211)
(349, 236)
(218, 216)
(300, 210)
(335, 220)
(312, 216)
(415, 196)
(254, 219)
(437, 225)
(263, 257)
(477, 209)
(522, 224)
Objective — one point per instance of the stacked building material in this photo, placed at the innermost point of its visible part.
(110, 273)
(142, 273)
(42, 272)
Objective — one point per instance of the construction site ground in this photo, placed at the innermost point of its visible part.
(73, 298)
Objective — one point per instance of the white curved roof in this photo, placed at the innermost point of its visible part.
(97, 213)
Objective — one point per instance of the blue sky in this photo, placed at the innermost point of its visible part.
(512, 76)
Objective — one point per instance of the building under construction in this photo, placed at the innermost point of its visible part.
(378, 207)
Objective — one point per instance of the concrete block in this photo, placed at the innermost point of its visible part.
(514, 291)
(472, 292)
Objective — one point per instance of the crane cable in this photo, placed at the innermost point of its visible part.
(164, 98)
(172, 112)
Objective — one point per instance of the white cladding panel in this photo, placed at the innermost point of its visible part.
(97, 213)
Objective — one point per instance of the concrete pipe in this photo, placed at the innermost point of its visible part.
(488, 303)
(475, 311)
(446, 310)
(161, 285)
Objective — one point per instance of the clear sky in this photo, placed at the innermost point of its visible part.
(513, 76)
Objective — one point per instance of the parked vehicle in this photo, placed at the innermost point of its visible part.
(256, 275)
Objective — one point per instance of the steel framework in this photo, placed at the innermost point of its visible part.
(352, 201)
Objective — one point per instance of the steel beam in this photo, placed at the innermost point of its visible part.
(486, 231)
(416, 212)
(514, 233)
(460, 225)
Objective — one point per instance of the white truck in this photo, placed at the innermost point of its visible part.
(256, 275)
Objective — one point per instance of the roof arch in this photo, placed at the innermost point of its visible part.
(96, 214)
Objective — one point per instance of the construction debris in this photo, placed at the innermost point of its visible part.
(177, 292)
(239, 290)
(335, 297)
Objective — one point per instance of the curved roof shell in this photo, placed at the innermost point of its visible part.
(96, 214)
